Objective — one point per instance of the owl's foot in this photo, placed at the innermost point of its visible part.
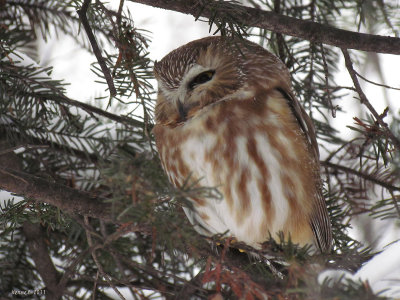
(231, 242)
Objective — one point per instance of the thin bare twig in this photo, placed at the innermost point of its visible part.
(375, 83)
(364, 100)
(95, 285)
(96, 49)
(19, 178)
(332, 154)
(94, 256)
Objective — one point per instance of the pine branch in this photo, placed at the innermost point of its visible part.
(159, 279)
(365, 176)
(40, 190)
(48, 90)
(364, 100)
(37, 143)
(40, 255)
(100, 269)
(43, 15)
(307, 30)
(92, 109)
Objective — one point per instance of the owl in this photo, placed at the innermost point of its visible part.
(227, 118)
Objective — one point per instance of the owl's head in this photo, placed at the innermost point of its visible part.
(209, 70)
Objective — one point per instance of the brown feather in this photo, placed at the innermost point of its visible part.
(244, 132)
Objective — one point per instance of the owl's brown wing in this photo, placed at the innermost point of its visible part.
(304, 121)
(320, 223)
(319, 219)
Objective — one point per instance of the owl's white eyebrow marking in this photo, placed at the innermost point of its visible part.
(179, 94)
(192, 72)
(173, 66)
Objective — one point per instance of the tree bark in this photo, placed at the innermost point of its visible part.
(307, 30)
(65, 198)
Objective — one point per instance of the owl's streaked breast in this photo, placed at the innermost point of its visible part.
(245, 149)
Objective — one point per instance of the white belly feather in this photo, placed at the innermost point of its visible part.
(220, 217)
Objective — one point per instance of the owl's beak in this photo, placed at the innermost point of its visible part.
(182, 111)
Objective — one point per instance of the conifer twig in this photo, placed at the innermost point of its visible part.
(365, 176)
(96, 260)
(65, 198)
(364, 100)
(59, 97)
(96, 50)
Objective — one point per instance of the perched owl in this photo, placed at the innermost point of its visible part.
(226, 117)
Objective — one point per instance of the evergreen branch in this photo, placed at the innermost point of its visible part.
(189, 288)
(100, 269)
(29, 142)
(40, 255)
(39, 12)
(65, 198)
(70, 270)
(382, 7)
(92, 109)
(365, 176)
(55, 94)
(364, 100)
(307, 30)
(160, 279)
(96, 50)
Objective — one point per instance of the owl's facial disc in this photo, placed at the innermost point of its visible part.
(191, 79)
